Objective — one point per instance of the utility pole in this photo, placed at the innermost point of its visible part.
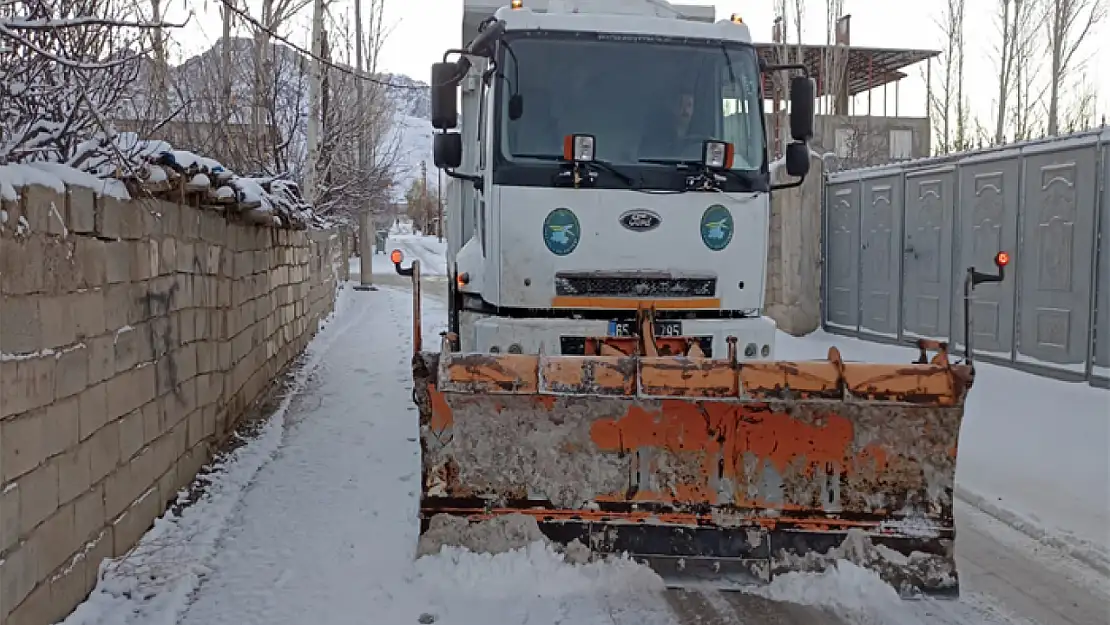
(315, 91)
(361, 160)
(424, 212)
(366, 251)
(365, 218)
(439, 201)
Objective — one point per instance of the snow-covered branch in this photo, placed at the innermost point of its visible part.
(69, 66)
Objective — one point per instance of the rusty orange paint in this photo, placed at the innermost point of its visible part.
(691, 424)
(603, 375)
(483, 373)
(692, 377)
(626, 303)
(663, 376)
(723, 433)
(935, 382)
(442, 417)
(804, 378)
(775, 436)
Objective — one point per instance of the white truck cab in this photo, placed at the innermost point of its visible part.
(612, 156)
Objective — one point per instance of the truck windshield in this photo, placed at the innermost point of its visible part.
(647, 100)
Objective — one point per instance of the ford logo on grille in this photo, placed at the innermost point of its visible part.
(640, 220)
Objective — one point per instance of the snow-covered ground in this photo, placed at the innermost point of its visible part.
(428, 249)
(314, 520)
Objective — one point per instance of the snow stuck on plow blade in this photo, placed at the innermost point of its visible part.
(704, 469)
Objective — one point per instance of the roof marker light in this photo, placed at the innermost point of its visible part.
(516, 4)
(735, 18)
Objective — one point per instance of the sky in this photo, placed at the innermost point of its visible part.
(420, 30)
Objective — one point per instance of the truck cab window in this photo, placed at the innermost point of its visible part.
(641, 98)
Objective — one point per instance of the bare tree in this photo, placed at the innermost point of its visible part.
(945, 100)
(1029, 90)
(274, 21)
(1068, 23)
(1080, 112)
(1009, 12)
(963, 107)
(784, 54)
(422, 205)
(836, 57)
(68, 68)
(361, 144)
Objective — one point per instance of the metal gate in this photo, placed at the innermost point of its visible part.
(899, 239)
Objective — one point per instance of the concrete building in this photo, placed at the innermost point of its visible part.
(858, 119)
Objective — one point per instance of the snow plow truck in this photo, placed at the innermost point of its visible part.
(607, 369)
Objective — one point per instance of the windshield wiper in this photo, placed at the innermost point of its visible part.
(672, 161)
(743, 175)
(607, 166)
(749, 178)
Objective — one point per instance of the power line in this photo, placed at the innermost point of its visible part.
(346, 70)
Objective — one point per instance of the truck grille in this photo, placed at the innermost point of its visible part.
(634, 285)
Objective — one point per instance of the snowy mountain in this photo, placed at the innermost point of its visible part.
(414, 131)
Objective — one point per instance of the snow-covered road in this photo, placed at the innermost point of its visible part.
(313, 521)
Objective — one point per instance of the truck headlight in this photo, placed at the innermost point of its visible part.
(717, 154)
(578, 148)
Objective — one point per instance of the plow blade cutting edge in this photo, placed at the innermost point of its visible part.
(704, 469)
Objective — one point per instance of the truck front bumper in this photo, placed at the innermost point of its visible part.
(755, 336)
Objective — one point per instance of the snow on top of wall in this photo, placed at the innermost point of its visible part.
(156, 168)
(53, 176)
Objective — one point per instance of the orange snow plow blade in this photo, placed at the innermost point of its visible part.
(704, 468)
(709, 470)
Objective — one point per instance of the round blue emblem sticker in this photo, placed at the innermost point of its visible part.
(561, 231)
(716, 227)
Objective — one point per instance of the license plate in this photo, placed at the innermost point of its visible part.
(662, 328)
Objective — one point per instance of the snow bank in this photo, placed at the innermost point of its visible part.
(152, 583)
(533, 584)
(496, 535)
(845, 587)
(536, 569)
(1032, 450)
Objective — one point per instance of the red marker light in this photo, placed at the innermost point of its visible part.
(396, 257)
(1002, 259)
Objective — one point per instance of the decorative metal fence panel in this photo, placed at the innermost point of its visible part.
(899, 239)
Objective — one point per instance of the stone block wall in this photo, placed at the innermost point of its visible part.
(133, 336)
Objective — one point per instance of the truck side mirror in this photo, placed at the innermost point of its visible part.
(802, 99)
(447, 150)
(797, 159)
(445, 109)
(486, 41)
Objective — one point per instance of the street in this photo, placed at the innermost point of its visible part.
(315, 521)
